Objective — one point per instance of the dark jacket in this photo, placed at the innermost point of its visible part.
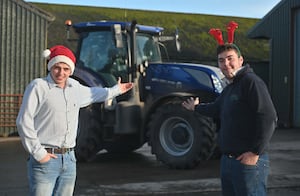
(246, 112)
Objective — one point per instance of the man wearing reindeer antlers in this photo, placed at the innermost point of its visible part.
(247, 121)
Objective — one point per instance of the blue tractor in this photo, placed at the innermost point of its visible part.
(151, 112)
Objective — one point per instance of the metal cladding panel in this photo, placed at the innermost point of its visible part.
(277, 26)
(277, 19)
(296, 70)
(281, 60)
(23, 36)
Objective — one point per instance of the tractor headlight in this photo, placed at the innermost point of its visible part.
(217, 84)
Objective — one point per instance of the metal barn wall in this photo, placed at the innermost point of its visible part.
(297, 68)
(280, 63)
(23, 37)
(278, 28)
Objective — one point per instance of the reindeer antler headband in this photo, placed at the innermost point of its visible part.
(217, 33)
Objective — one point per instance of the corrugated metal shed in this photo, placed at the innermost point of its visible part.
(278, 26)
(23, 37)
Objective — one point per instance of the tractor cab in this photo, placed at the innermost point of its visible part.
(116, 49)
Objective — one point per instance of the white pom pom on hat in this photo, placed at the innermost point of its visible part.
(46, 54)
(58, 54)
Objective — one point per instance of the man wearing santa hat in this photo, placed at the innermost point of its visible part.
(48, 119)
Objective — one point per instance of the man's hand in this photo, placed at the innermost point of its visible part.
(248, 158)
(124, 87)
(47, 158)
(190, 103)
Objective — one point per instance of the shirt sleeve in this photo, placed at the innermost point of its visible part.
(25, 122)
(210, 109)
(89, 95)
(265, 114)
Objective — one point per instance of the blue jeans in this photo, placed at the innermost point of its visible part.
(244, 180)
(56, 177)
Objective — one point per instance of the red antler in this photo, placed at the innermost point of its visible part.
(230, 30)
(217, 34)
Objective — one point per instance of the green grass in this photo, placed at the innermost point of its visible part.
(197, 45)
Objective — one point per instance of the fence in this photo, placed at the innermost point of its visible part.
(9, 108)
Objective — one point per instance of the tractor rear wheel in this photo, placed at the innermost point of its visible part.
(88, 142)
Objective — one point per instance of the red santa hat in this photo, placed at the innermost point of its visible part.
(58, 54)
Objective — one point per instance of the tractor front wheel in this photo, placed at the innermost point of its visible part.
(180, 138)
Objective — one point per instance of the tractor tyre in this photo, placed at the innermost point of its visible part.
(88, 142)
(180, 138)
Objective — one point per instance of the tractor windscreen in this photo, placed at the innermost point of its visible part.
(99, 53)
